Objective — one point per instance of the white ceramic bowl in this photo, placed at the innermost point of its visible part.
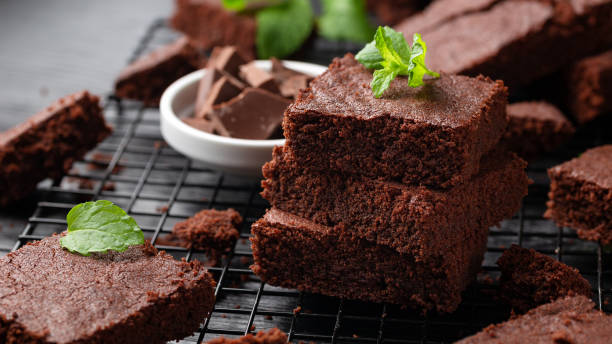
(231, 155)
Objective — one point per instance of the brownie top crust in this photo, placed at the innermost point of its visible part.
(39, 119)
(450, 101)
(593, 166)
(536, 109)
(65, 297)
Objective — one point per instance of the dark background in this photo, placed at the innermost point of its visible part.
(52, 48)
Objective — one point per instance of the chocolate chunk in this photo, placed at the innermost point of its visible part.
(290, 82)
(215, 87)
(255, 114)
(258, 78)
(226, 59)
(199, 123)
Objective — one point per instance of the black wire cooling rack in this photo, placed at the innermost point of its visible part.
(159, 187)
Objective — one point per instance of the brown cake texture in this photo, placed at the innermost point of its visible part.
(148, 77)
(210, 230)
(406, 218)
(590, 87)
(272, 336)
(46, 145)
(208, 24)
(530, 279)
(434, 135)
(49, 295)
(570, 320)
(536, 127)
(391, 12)
(517, 41)
(580, 194)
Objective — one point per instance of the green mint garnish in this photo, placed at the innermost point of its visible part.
(98, 227)
(241, 5)
(345, 20)
(282, 29)
(390, 55)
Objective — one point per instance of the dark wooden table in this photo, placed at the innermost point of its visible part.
(52, 48)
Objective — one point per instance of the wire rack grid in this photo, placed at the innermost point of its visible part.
(159, 187)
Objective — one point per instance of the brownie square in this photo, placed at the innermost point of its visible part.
(147, 78)
(210, 229)
(49, 295)
(405, 218)
(590, 87)
(208, 24)
(535, 128)
(530, 279)
(580, 194)
(569, 320)
(46, 145)
(516, 41)
(293, 252)
(434, 135)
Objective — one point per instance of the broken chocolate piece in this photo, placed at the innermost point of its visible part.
(215, 87)
(290, 82)
(258, 78)
(200, 124)
(227, 59)
(255, 114)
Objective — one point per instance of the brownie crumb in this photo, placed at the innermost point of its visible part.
(297, 310)
(162, 209)
(268, 317)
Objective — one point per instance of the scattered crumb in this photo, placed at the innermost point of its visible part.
(503, 247)
(355, 336)
(384, 315)
(237, 306)
(252, 328)
(297, 309)
(244, 277)
(159, 144)
(86, 184)
(223, 316)
(162, 209)
(109, 186)
(487, 279)
(244, 260)
(605, 302)
(243, 241)
(101, 162)
(268, 317)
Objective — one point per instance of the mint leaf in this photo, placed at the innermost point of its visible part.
(345, 20)
(234, 5)
(98, 227)
(390, 55)
(242, 5)
(282, 29)
(369, 56)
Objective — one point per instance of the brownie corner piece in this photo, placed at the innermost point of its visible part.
(530, 279)
(590, 87)
(49, 295)
(434, 135)
(210, 229)
(580, 194)
(47, 144)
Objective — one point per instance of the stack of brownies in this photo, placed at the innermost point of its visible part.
(390, 199)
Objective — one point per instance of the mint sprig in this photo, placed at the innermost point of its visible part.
(390, 55)
(345, 20)
(242, 5)
(99, 227)
(282, 29)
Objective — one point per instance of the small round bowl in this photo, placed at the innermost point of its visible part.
(230, 155)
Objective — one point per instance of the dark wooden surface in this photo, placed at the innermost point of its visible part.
(52, 48)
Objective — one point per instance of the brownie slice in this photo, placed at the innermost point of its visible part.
(393, 11)
(408, 219)
(590, 87)
(565, 321)
(530, 279)
(581, 194)
(46, 145)
(434, 135)
(272, 336)
(208, 24)
(293, 252)
(148, 77)
(535, 128)
(517, 41)
(210, 230)
(48, 295)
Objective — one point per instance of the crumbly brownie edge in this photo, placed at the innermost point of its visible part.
(590, 87)
(581, 205)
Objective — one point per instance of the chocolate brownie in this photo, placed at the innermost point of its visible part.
(517, 41)
(434, 135)
(393, 11)
(590, 87)
(405, 218)
(46, 145)
(530, 279)
(48, 295)
(208, 24)
(581, 194)
(570, 320)
(210, 230)
(293, 252)
(148, 77)
(535, 128)
(272, 336)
